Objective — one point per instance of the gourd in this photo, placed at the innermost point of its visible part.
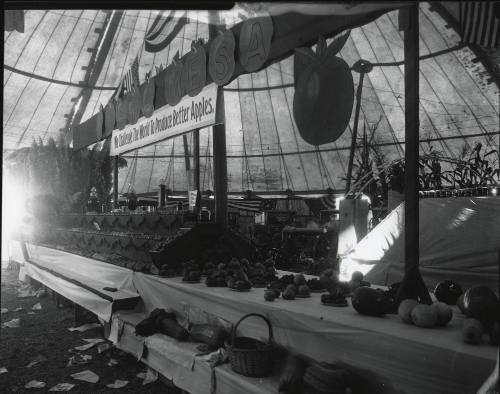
(213, 336)
(291, 378)
(424, 316)
(448, 292)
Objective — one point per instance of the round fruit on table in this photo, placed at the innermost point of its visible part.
(480, 302)
(405, 308)
(448, 291)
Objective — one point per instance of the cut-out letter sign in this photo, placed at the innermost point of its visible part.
(255, 42)
(173, 82)
(221, 60)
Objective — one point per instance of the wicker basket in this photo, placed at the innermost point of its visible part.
(249, 356)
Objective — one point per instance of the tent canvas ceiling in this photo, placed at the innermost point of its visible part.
(458, 106)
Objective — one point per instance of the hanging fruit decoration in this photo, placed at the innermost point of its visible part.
(324, 92)
(99, 122)
(109, 118)
(194, 71)
(148, 96)
(221, 58)
(121, 113)
(173, 81)
(134, 104)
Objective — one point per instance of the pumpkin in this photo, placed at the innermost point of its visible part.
(481, 303)
(448, 291)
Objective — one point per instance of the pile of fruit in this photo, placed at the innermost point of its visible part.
(437, 314)
(289, 287)
(191, 272)
(480, 305)
(240, 274)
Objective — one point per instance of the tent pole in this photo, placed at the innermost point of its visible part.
(196, 164)
(219, 143)
(359, 91)
(413, 285)
(115, 181)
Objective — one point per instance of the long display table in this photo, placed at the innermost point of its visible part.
(414, 360)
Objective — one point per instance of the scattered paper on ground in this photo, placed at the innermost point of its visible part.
(14, 323)
(86, 376)
(18, 309)
(91, 343)
(4, 310)
(23, 293)
(112, 362)
(37, 360)
(40, 293)
(103, 347)
(85, 327)
(31, 313)
(79, 359)
(149, 376)
(62, 387)
(35, 384)
(3, 370)
(37, 307)
(93, 340)
(118, 384)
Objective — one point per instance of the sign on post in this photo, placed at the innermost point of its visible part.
(167, 122)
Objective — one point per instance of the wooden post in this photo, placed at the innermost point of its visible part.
(413, 285)
(411, 51)
(219, 143)
(196, 164)
(115, 181)
(220, 163)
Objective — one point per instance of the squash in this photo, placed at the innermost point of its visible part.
(423, 315)
(291, 379)
(212, 335)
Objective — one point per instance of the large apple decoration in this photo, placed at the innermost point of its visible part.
(121, 113)
(173, 81)
(148, 96)
(134, 104)
(109, 118)
(324, 92)
(194, 72)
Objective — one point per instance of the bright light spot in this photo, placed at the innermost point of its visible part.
(13, 211)
(494, 191)
(464, 215)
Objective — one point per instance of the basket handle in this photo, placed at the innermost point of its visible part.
(270, 328)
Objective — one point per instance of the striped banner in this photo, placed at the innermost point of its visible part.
(480, 23)
(246, 205)
(163, 30)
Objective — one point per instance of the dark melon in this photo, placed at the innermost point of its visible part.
(368, 301)
(448, 291)
(481, 303)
